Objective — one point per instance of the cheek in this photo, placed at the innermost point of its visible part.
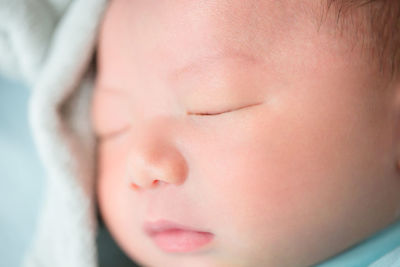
(119, 207)
(302, 169)
(110, 187)
(114, 192)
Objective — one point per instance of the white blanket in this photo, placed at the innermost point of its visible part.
(49, 44)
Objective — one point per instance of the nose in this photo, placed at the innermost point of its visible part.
(154, 162)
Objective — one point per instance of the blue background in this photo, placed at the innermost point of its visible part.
(21, 175)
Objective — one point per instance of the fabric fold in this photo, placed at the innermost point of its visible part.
(50, 45)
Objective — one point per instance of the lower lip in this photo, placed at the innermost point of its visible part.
(177, 240)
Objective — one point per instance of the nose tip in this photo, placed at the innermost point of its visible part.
(150, 174)
(154, 157)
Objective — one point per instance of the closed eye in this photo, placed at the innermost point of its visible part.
(113, 134)
(218, 113)
(117, 133)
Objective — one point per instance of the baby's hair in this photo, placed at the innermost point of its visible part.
(373, 24)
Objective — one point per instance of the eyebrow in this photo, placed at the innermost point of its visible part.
(201, 63)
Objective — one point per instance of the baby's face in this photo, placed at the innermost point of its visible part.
(297, 161)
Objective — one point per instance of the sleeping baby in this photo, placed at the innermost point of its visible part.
(255, 133)
(247, 133)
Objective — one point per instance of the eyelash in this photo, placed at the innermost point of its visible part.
(219, 113)
(119, 132)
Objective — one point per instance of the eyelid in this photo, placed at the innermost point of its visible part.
(113, 134)
(222, 112)
(110, 113)
(116, 134)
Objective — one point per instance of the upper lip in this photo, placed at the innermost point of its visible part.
(152, 228)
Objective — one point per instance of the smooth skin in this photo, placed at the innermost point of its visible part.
(261, 126)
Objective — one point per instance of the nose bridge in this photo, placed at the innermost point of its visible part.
(153, 158)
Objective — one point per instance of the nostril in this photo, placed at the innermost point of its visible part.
(134, 186)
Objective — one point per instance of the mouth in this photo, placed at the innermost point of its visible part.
(173, 237)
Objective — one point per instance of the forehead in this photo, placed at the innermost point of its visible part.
(167, 26)
(170, 37)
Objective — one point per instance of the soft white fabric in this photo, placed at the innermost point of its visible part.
(48, 44)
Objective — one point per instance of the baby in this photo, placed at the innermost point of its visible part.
(247, 133)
